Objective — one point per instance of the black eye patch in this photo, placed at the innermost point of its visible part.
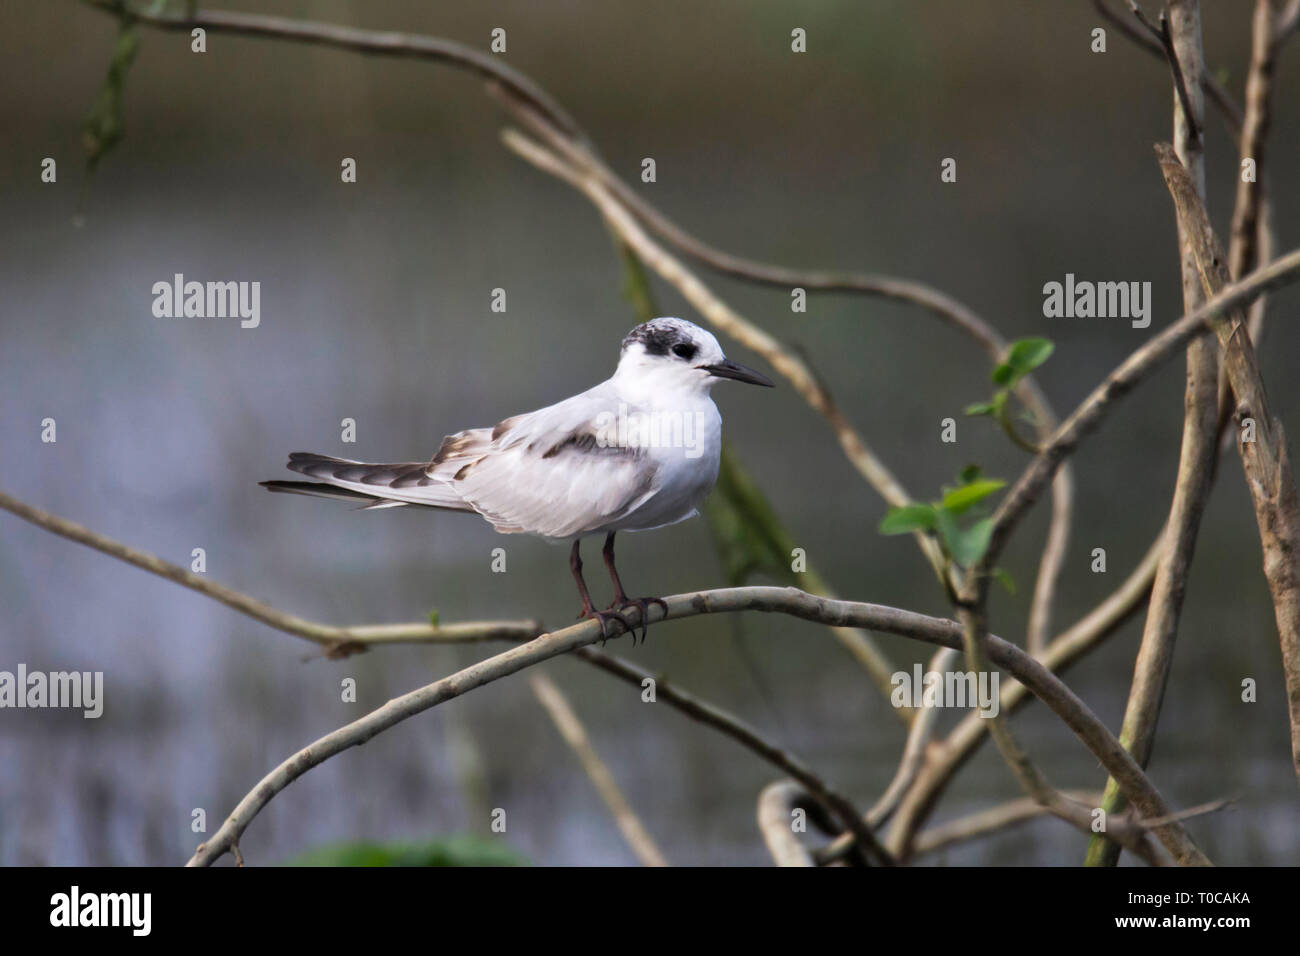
(684, 351)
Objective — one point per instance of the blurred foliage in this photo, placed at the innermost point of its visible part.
(105, 123)
(451, 851)
(749, 536)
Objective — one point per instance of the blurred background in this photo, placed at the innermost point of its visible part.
(375, 306)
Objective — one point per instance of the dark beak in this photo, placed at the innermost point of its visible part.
(729, 369)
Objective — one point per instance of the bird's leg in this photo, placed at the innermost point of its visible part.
(621, 600)
(588, 609)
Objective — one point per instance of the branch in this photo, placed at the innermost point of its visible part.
(909, 765)
(1228, 107)
(776, 805)
(857, 829)
(1196, 466)
(402, 45)
(987, 822)
(1268, 33)
(1264, 460)
(337, 641)
(938, 631)
(342, 641)
(948, 756)
(575, 735)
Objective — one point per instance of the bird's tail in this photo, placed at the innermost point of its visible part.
(370, 485)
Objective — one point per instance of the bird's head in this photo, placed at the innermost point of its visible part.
(673, 353)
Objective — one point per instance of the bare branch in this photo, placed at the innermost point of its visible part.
(909, 765)
(1265, 459)
(337, 641)
(857, 829)
(1196, 469)
(1228, 107)
(402, 45)
(1266, 39)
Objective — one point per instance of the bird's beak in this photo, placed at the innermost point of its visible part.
(729, 369)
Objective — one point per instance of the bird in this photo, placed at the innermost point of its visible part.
(637, 452)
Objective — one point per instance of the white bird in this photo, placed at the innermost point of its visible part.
(638, 451)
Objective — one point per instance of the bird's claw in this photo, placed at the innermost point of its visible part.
(642, 605)
(600, 616)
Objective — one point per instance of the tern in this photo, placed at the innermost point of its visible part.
(636, 452)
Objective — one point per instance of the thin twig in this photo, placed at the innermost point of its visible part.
(566, 721)
(385, 43)
(1227, 106)
(909, 765)
(857, 829)
(337, 641)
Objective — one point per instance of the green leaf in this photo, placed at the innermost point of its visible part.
(968, 545)
(454, 851)
(1003, 577)
(960, 499)
(908, 518)
(433, 617)
(1023, 357)
(981, 408)
(969, 474)
(1004, 374)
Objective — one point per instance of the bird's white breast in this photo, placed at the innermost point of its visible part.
(685, 452)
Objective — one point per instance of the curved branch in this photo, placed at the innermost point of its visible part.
(342, 641)
(385, 43)
(776, 805)
(945, 633)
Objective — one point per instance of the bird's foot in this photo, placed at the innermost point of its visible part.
(641, 604)
(602, 616)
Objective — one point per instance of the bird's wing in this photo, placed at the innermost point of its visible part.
(550, 472)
